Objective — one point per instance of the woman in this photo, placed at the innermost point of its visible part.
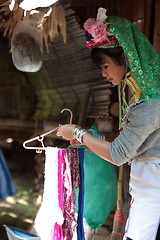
(126, 57)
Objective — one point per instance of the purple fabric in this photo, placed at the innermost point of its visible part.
(71, 182)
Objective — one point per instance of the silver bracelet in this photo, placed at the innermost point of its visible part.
(81, 134)
(78, 133)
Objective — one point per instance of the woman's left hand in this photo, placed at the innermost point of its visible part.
(66, 131)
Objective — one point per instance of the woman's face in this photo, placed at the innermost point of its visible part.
(112, 71)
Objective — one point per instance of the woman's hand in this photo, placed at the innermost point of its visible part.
(66, 131)
(75, 143)
(98, 146)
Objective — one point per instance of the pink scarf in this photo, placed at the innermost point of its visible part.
(58, 231)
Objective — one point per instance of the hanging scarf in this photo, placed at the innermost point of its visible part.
(58, 230)
(80, 228)
(144, 60)
(71, 182)
(50, 212)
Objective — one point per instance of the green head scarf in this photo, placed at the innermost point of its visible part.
(143, 58)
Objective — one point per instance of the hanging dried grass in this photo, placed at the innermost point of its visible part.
(4, 9)
(4, 3)
(51, 24)
(10, 17)
(14, 17)
(54, 23)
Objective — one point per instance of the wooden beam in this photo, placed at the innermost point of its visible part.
(16, 124)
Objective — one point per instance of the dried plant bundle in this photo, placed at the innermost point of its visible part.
(51, 20)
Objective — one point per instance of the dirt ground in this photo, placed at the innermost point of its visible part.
(19, 210)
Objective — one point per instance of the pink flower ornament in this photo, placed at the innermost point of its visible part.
(89, 23)
(96, 29)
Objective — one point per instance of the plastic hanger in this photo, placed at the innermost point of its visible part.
(40, 138)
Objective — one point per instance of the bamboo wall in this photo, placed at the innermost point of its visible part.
(16, 95)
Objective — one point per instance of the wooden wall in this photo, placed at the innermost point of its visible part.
(88, 8)
(145, 15)
(156, 33)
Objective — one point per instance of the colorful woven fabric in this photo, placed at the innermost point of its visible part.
(71, 182)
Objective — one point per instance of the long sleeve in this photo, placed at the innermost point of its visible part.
(140, 126)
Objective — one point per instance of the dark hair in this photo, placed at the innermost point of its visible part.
(114, 53)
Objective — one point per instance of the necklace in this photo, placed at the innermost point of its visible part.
(133, 86)
(135, 90)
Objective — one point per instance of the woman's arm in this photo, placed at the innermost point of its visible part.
(98, 146)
